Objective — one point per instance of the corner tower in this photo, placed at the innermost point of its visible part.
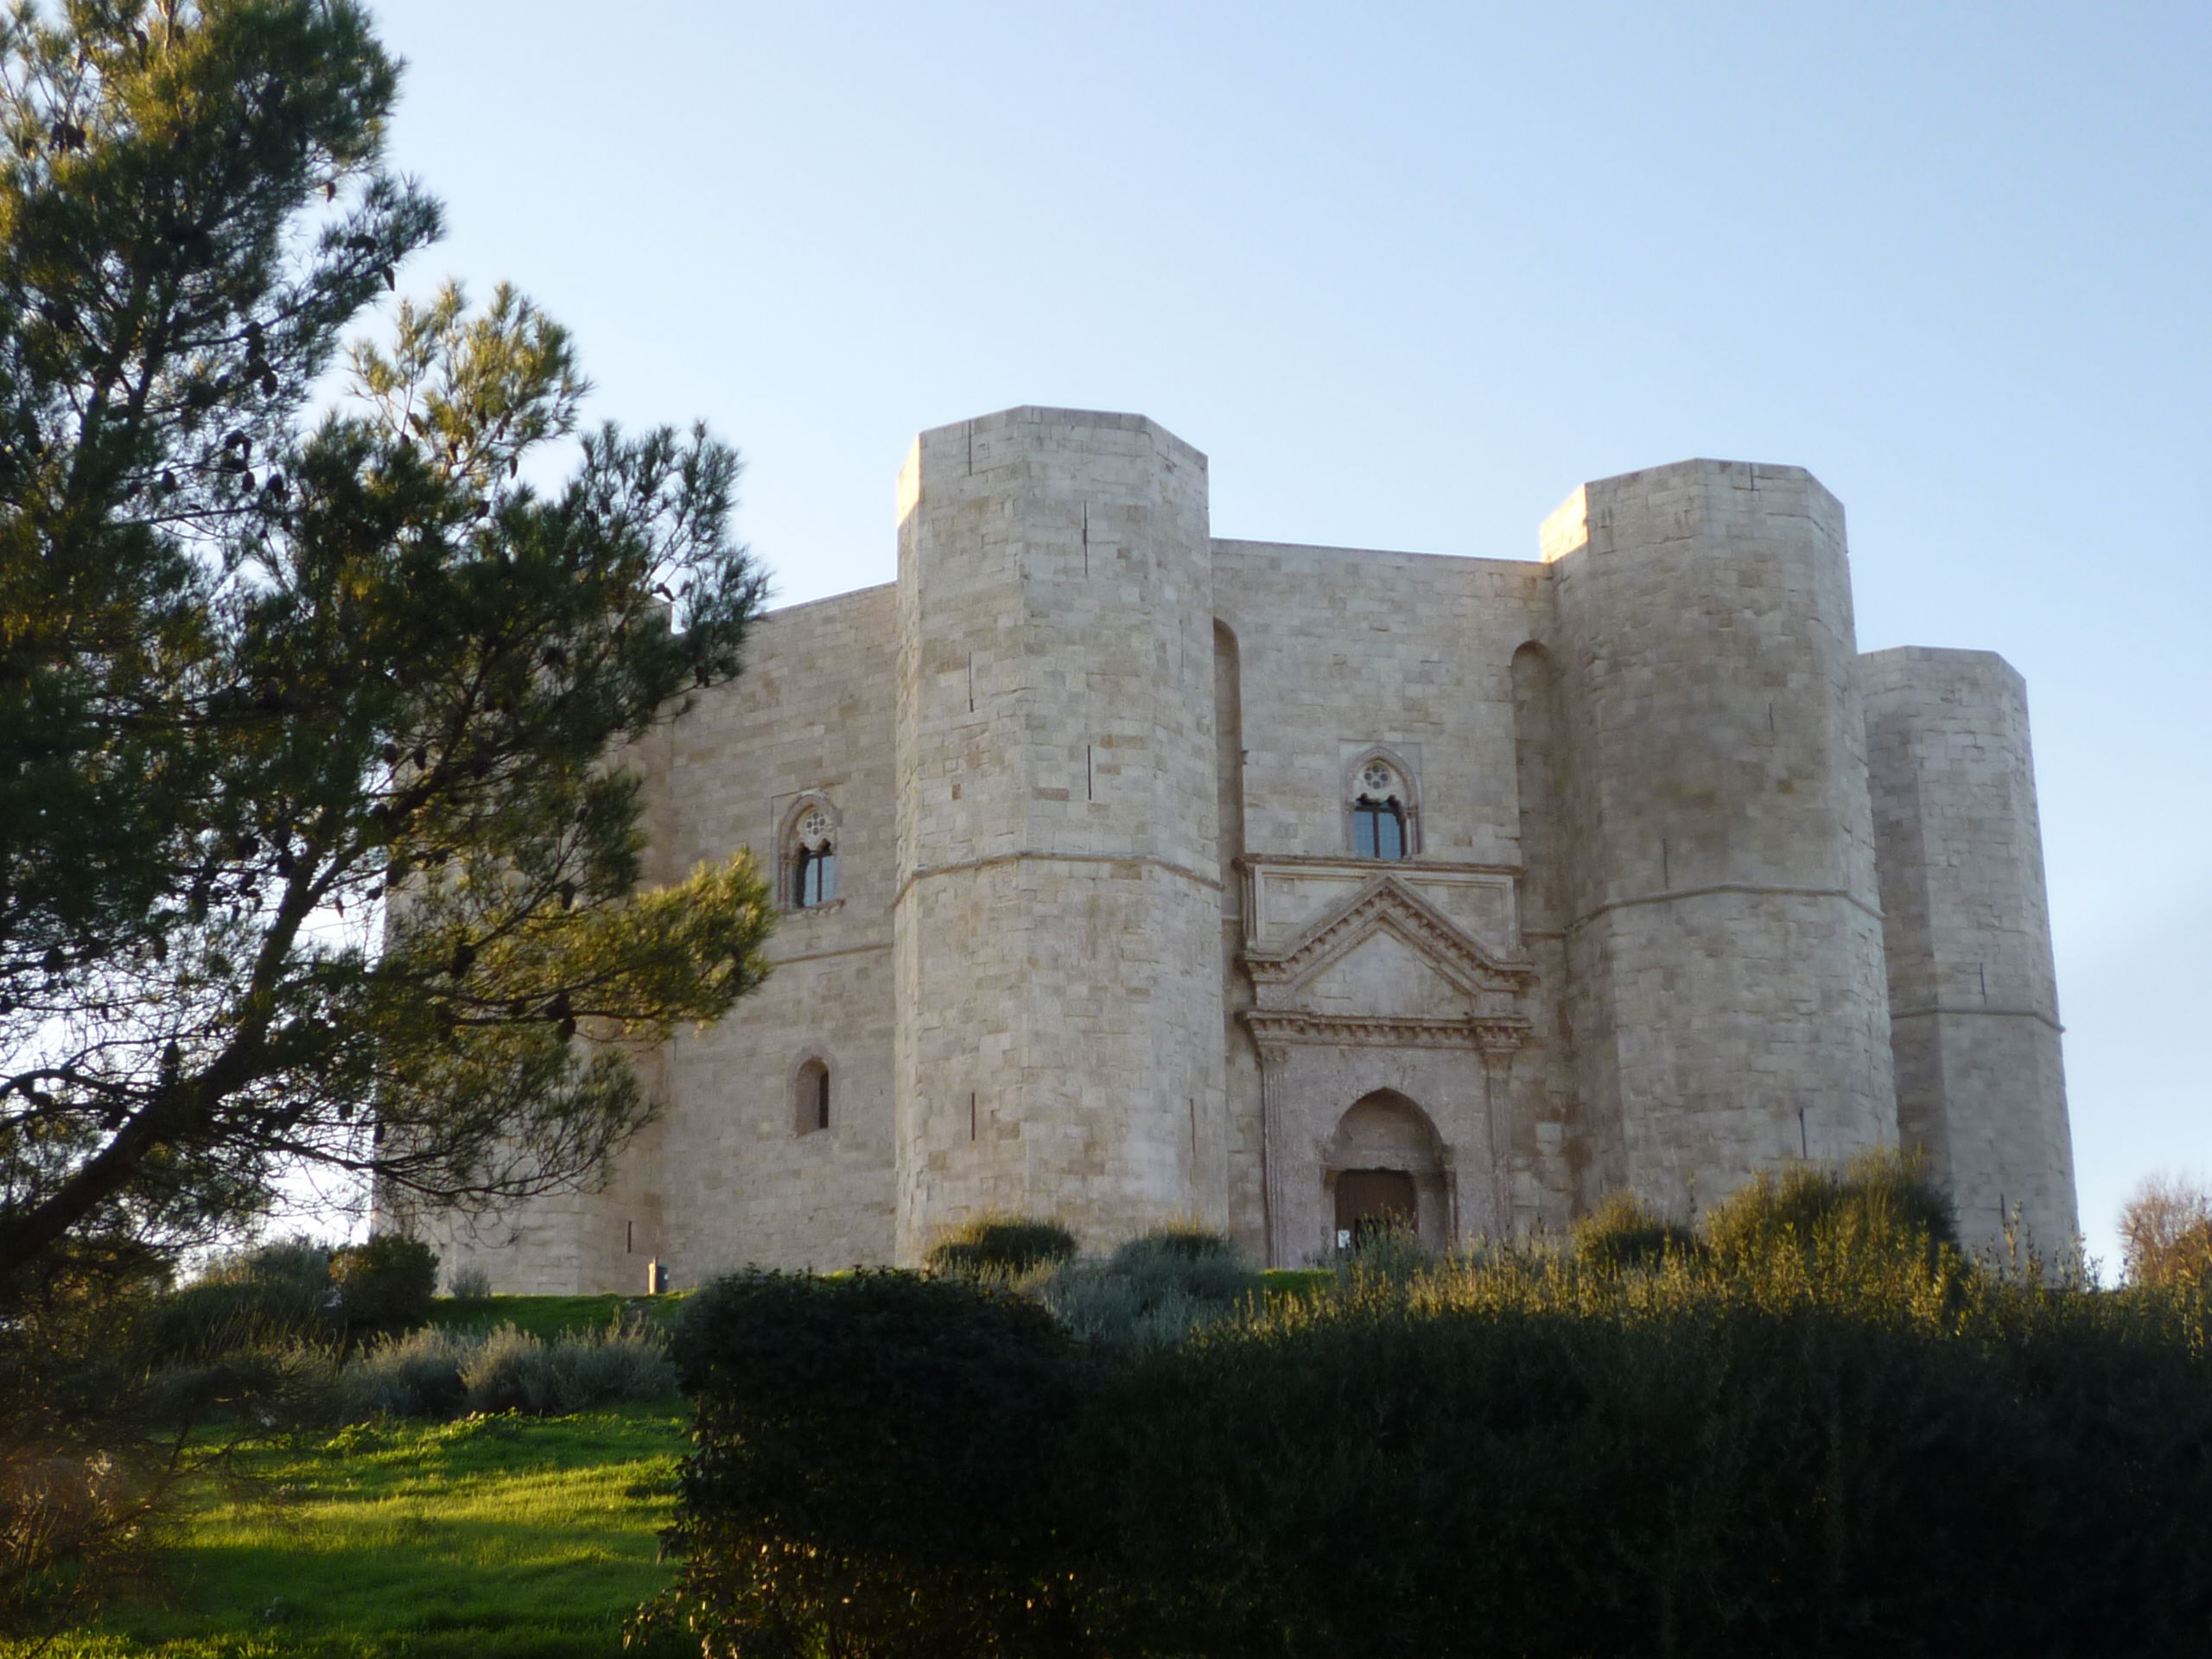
(1727, 988)
(1974, 1001)
(1057, 925)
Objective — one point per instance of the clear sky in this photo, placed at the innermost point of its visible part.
(1409, 272)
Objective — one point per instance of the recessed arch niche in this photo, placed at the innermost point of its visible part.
(1385, 1159)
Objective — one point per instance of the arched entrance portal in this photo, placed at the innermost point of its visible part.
(1383, 1166)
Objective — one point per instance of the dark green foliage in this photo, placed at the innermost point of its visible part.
(1155, 1288)
(262, 664)
(1621, 1233)
(204, 1321)
(1529, 1475)
(101, 1429)
(265, 1297)
(295, 1291)
(876, 1467)
(1181, 1241)
(386, 1284)
(1819, 1432)
(1006, 1246)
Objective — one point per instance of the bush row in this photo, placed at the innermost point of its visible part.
(1810, 1428)
(439, 1373)
(297, 1289)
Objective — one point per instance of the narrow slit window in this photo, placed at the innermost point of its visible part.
(810, 1104)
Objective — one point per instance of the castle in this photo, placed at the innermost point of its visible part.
(1130, 875)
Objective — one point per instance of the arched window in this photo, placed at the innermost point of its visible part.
(811, 858)
(810, 1098)
(1381, 825)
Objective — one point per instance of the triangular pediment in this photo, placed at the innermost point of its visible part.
(1384, 974)
(1418, 940)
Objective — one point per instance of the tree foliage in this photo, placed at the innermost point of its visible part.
(262, 669)
(2165, 1232)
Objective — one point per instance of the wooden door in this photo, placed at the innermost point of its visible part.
(1370, 1199)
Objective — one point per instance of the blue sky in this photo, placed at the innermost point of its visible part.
(1408, 273)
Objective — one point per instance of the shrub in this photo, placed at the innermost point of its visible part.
(272, 1295)
(1825, 1436)
(1542, 1461)
(469, 1283)
(387, 1283)
(877, 1467)
(1004, 1247)
(1390, 1249)
(1621, 1233)
(512, 1371)
(1881, 1214)
(437, 1373)
(99, 1430)
(1153, 1289)
(416, 1374)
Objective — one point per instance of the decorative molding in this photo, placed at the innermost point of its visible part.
(1054, 856)
(1417, 866)
(818, 955)
(1274, 1029)
(1672, 893)
(1386, 902)
(2002, 1014)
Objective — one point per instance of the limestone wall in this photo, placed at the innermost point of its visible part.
(1057, 925)
(744, 1175)
(1729, 1002)
(1102, 948)
(1974, 1005)
(1344, 652)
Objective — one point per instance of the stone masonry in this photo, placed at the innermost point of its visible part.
(1282, 887)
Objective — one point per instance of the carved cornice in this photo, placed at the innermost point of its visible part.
(1386, 902)
(1332, 862)
(1273, 1028)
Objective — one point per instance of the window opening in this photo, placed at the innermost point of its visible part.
(814, 864)
(813, 1097)
(1378, 816)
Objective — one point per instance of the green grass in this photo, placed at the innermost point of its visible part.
(496, 1537)
(1279, 1282)
(502, 1537)
(549, 1316)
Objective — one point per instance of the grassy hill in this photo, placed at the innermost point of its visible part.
(490, 1536)
(497, 1537)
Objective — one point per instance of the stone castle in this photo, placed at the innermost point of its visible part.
(1130, 875)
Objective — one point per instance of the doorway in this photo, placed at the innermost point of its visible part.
(1370, 1200)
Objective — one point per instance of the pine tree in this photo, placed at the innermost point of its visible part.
(316, 848)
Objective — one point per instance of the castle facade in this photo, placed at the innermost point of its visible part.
(1130, 875)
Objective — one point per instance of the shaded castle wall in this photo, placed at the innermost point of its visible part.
(728, 1177)
(1729, 1007)
(744, 1177)
(1974, 1005)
